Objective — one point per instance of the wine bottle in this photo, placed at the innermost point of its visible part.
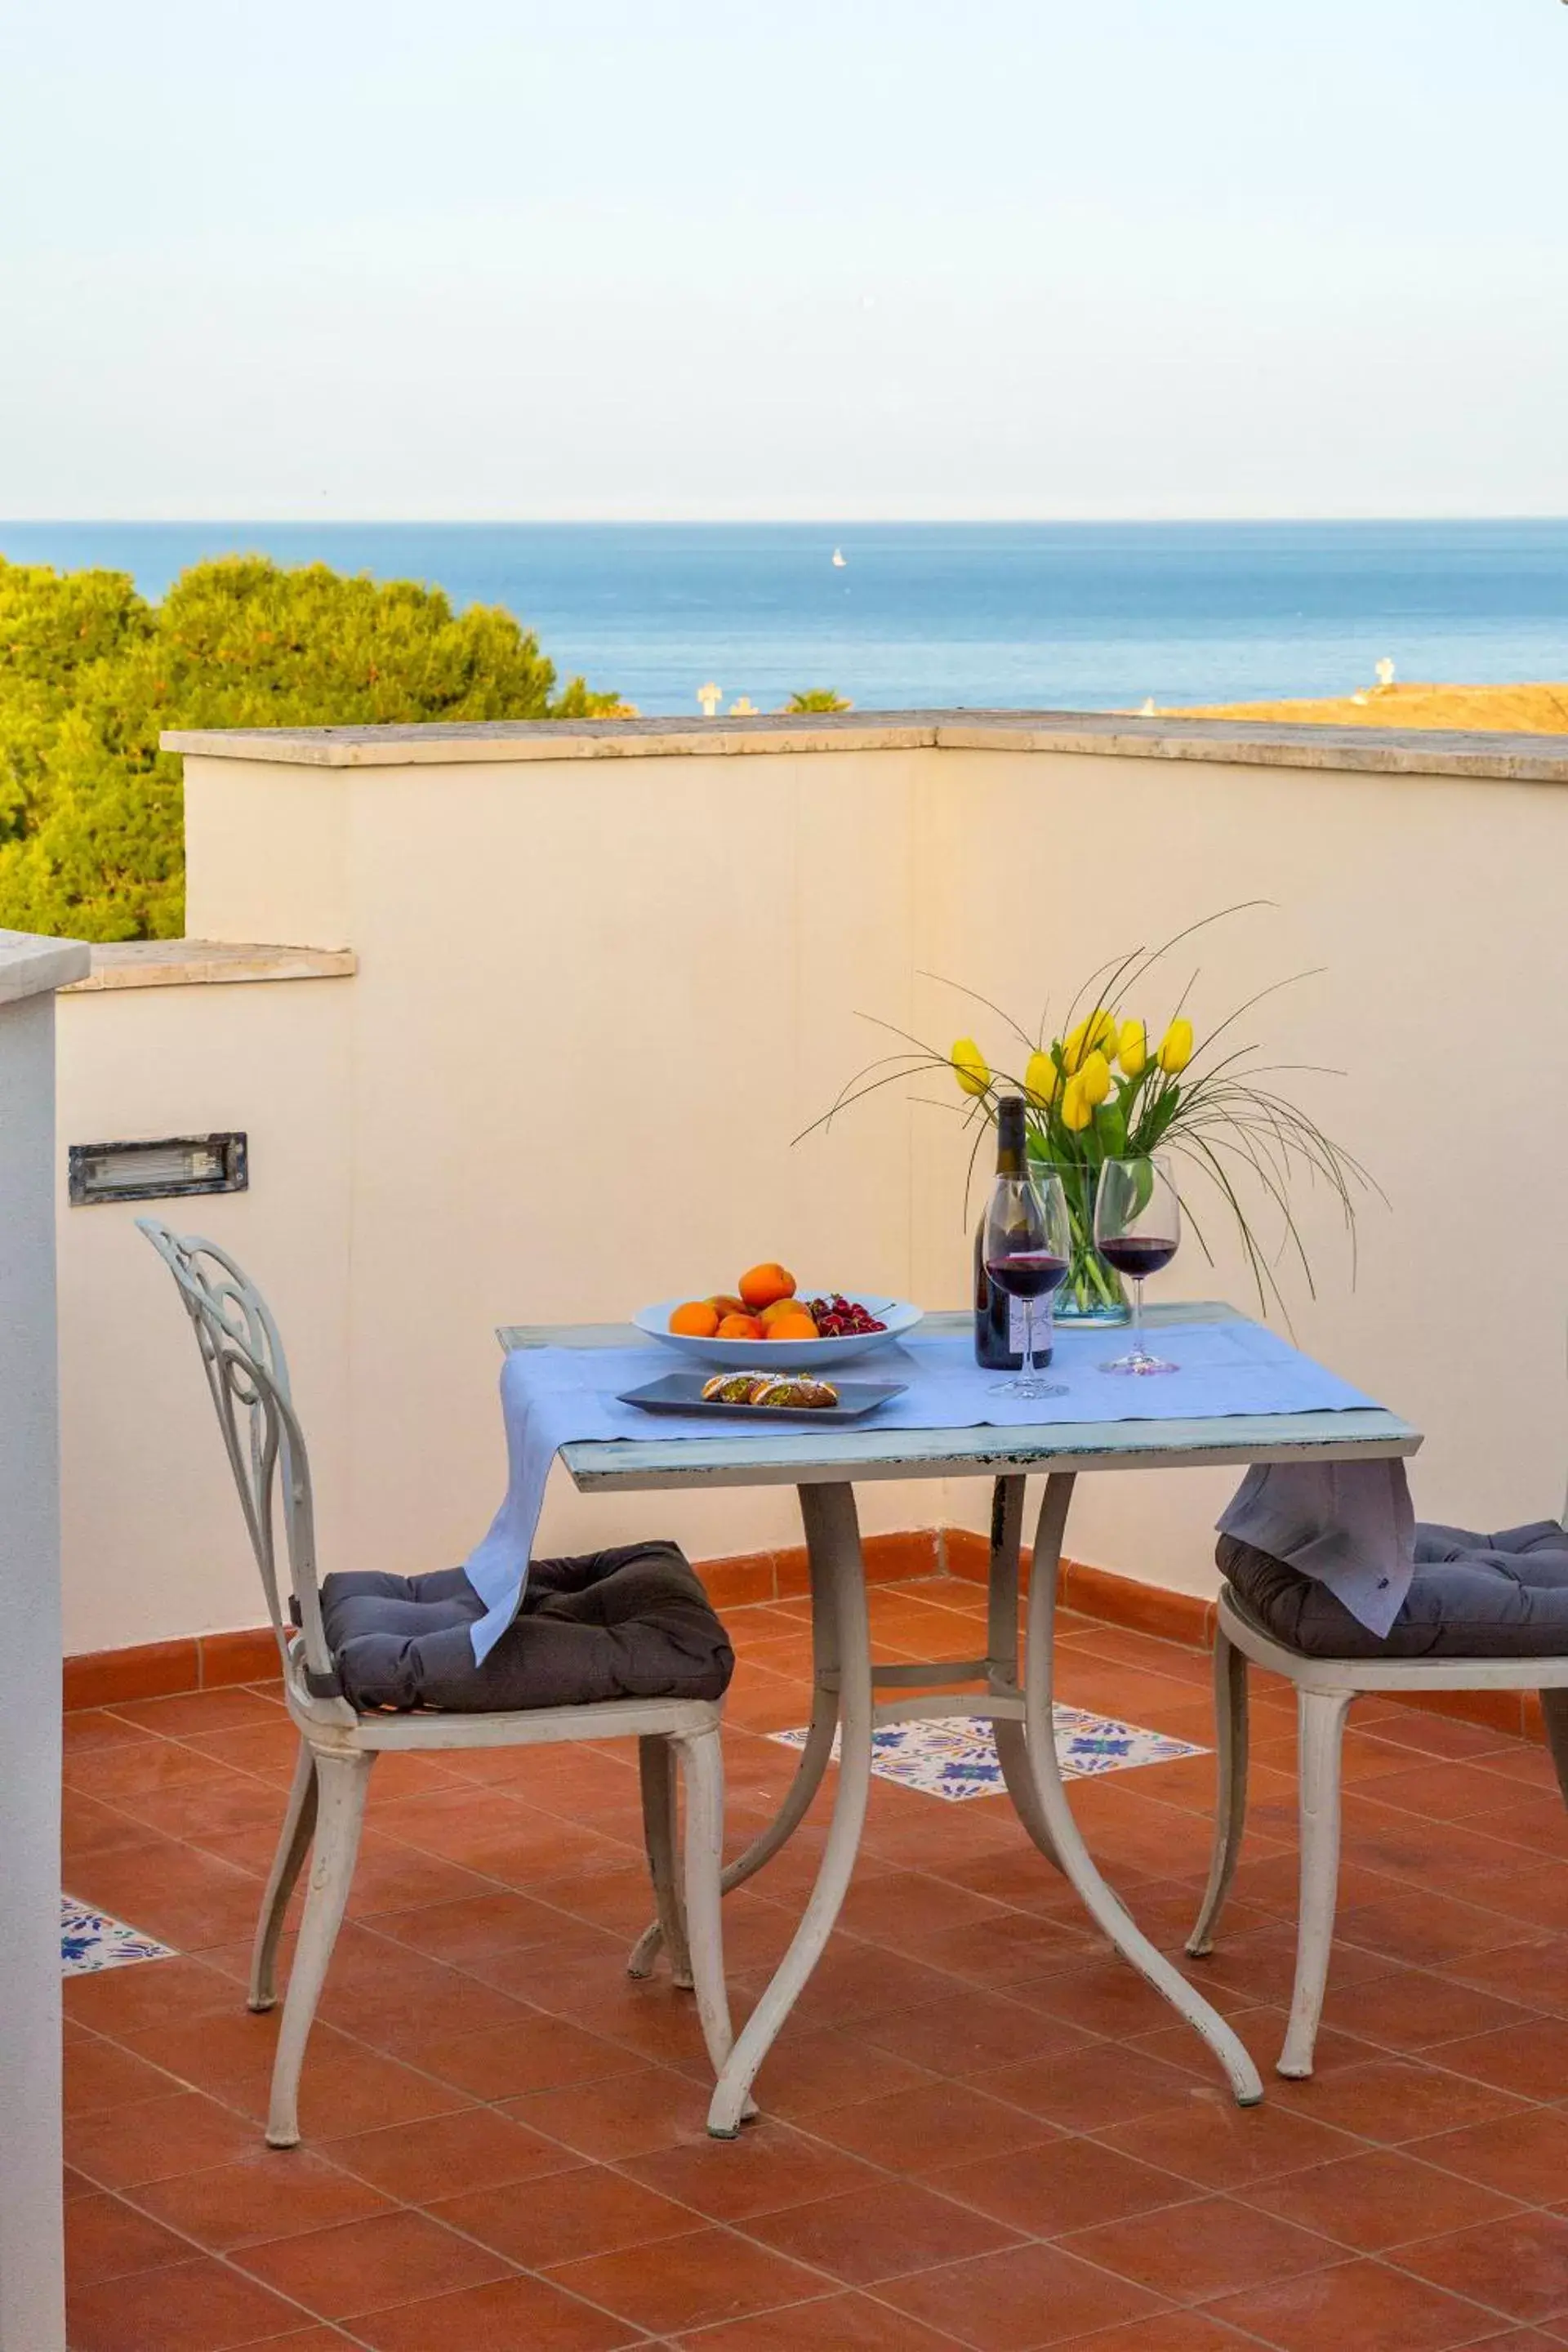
(998, 1319)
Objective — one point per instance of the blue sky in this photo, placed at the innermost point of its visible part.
(706, 257)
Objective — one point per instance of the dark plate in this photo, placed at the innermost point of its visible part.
(682, 1393)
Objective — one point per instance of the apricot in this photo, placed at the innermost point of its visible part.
(761, 1286)
(795, 1325)
(780, 1307)
(722, 1304)
(739, 1327)
(695, 1320)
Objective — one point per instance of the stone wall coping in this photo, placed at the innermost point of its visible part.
(1520, 758)
(205, 964)
(31, 964)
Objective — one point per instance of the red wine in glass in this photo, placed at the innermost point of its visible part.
(1137, 1228)
(1032, 1274)
(1137, 1256)
(1025, 1249)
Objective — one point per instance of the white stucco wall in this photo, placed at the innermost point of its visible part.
(598, 996)
(31, 2302)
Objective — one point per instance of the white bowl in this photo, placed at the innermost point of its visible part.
(782, 1355)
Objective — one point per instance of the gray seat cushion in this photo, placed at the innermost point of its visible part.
(1472, 1596)
(630, 1624)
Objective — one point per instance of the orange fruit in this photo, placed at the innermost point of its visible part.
(722, 1304)
(795, 1324)
(695, 1320)
(761, 1286)
(739, 1327)
(780, 1307)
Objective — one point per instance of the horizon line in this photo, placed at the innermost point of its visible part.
(748, 522)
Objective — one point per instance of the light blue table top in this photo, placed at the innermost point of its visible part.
(810, 1457)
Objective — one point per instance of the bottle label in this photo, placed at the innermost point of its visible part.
(1018, 1327)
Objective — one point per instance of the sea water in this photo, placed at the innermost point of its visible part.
(922, 615)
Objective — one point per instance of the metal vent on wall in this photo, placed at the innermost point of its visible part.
(165, 1169)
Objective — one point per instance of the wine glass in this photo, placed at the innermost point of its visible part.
(1027, 1251)
(1137, 1225)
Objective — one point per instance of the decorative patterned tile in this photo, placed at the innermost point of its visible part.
(951, 1756)
(90, 1941)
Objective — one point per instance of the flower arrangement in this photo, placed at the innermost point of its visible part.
(1102, 1090)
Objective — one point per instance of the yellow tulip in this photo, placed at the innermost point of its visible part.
(970, 1066)
(1075, 1110)
(1133, 1048)
(1094, 1079)
(1176, 1048)
(1099, 1030)
(1042, 1080)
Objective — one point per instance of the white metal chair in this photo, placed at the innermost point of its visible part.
(1324, 1689)
(247, 1375)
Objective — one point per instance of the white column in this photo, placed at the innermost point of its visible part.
(32, 2298)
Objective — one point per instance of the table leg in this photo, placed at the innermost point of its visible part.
(1074, 1858)
(1002, 1661)
(813, 1762)
(837, 1574)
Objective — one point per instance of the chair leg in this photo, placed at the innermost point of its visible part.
(343, 1785)
(1320, 1723)
(293, 1845)
(703, 1762)
(1230, 1793)
(655, 1757)
(1555, 1708)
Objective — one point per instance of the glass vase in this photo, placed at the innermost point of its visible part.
(1093, 1291)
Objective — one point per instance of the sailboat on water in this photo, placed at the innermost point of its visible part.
(839, 559)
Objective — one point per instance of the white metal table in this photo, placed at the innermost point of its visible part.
(825, 1467)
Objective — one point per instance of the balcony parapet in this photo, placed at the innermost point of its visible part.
(1426, 752)
(205, 964)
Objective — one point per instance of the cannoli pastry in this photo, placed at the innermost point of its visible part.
(796, 1390)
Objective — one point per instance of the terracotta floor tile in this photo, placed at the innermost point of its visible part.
(1391, 2099)
(807, 2074)
(1191, 2254)
(685, 2283)
(898, 1908)
(1385, 2198)
(390, 1878)
(518, 2315)
(1210, 2140)
(1066, 2184)
(106, 2239)
(87, 1728)
(1518, 2265)
(935, 2124)
(123, 2001)
(880, 2232)
(99, 2077)
(479, 1926)
(536, 2053)
(1364, 2307)
(1105, 1995)
(396, 2010)
(1423, 1928)
(1532, 1974)
(1536, 1896)
(859, 1980)
(1413, 2009)
(627, 2115)
(591, 2210)
(1522, 2155)
(1530, 2058)
(764, 2170)
(837, 2323)
(154, 2140)
(213, 1710)
(358, 2266)
(1168, 2331)
(442, 2156)
(196, 2306)
(1087, 2089)
(271, 2193)
(970, 2036)
(1012, 2302)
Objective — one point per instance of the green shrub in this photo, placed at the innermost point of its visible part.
(90, 812)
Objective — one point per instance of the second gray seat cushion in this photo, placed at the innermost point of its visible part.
(633, 1622)
(1472, 1596)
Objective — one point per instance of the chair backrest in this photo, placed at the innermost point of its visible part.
(247, 1377)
